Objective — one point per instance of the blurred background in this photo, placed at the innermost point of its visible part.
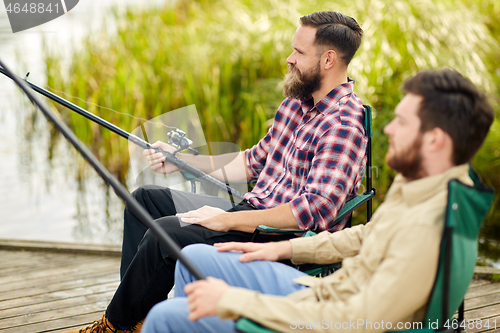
(227, 57)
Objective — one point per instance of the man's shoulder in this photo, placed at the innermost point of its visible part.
(347, 112)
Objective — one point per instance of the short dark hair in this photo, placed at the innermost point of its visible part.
(336, 30)
(455, 105)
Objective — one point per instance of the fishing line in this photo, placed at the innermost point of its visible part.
(106, 108)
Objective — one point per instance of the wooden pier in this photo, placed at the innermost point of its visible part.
(53, 287)
(47, 287)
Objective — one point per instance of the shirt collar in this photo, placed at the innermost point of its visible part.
(414, 192)
(330, 99)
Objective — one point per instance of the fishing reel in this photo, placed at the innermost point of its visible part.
(179, 140)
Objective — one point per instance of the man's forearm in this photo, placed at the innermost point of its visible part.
(228, 168)
(278, 217)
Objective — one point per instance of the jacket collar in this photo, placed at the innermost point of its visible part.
(417, 191)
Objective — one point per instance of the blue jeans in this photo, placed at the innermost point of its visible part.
(147, 268)
(267, 277)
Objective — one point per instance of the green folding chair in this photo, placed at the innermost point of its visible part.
(466, 209)
(467, 206)
(350, 205)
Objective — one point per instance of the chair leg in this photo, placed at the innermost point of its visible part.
(461, 318)
(255, 235)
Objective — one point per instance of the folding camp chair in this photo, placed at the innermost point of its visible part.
(351, 204)
(467, 206)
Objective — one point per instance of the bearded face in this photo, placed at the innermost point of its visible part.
(407, 161)
(301, 85)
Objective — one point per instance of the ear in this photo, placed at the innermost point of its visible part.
(437, 140)
(329, 59)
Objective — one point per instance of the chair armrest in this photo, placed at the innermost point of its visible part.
(246, 325)
(348, 208)
(270, 230)
(354, 203)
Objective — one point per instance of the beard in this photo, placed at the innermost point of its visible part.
(409, 161)
(299, 85)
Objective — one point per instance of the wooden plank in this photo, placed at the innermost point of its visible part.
(23, 301)
(482, 301)
(34, 290)
(81, 264)
(40, 317)
(57, 304)
(483, 290)
(61, 247)
(9, 257)
(478, 283)
(43, 264)
(27, 260)
(484, 312)
(62, 274)
(60, 324)
(486, 273)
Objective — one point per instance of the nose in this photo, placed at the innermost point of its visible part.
(291, 58)
(388, 128)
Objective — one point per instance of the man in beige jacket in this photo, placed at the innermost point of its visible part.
(388, 265)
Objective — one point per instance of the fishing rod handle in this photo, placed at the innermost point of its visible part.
(184, 166)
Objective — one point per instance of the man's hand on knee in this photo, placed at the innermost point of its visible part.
(273, 251)
(207, 216)
(203, 297)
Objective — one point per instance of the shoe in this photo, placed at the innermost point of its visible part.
(104, 326)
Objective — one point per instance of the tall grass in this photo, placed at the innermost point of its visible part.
(228, 58)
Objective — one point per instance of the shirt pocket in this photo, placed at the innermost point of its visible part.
(299, 166)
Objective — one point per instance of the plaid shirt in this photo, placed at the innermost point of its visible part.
(312, 157)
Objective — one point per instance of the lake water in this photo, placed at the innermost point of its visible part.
(40, 198)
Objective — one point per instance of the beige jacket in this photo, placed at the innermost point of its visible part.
(388, 268)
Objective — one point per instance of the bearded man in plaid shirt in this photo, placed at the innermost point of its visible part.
(307, 166)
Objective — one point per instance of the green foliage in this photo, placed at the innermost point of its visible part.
(228, 57)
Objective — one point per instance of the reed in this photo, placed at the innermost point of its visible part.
(228, 58)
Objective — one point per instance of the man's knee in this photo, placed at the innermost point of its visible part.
(143, 191)
(199, 252)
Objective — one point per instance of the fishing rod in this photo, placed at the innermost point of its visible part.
(165, 240)
(177, 137)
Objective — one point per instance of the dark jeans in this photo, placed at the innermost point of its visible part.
(147, 270)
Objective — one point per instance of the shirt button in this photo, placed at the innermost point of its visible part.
(284, 169)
